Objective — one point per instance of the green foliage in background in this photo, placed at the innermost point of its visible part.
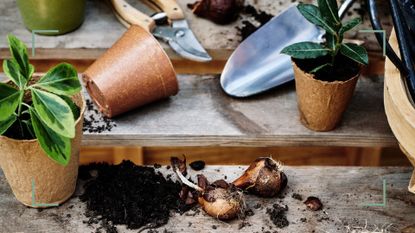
(42, 109)
(326, 16)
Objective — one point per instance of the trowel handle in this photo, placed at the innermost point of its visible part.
(345, 7)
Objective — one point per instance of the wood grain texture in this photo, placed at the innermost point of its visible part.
(343, 192)
(85, 44)
(203, 115)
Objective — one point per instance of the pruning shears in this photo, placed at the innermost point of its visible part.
(166, 21)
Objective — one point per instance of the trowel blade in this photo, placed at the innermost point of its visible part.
(257, 65)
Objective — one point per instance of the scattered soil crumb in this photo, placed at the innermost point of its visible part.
(257, 205)
(259, 18)
(243, 224)
(297, 196)
(136, 196)
(197, 165)
(303, 219)
(214, 227)
(157, 166)
(278, 216)
(94, 121)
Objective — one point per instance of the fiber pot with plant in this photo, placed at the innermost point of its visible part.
(325, 73)
(40, 117)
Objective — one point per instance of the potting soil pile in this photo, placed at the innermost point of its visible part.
(127, 194)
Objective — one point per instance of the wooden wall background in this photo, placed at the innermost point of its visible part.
(334, 156)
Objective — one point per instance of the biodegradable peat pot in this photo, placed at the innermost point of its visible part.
(24, 162)
(322, 103)
(62, 15)
(399, 110)
(133, 72)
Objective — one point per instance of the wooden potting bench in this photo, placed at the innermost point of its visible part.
(354, 198)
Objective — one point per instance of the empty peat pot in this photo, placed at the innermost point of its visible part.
(133, 72)
(322, 103)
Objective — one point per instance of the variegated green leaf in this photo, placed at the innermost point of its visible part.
(312, 14)
(9, 100)
(329, 10)
(350, 25)
(306, 50)
(4, 125)
(61, 80)
(355, 52)
(54, 112)
(18, 51)
(75, 109)
(57, 147)
(12, 71)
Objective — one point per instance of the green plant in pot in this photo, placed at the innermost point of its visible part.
(41, 121)
(325, 73)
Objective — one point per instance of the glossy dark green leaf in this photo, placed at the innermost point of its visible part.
(18, 51)
(29, 127)
(355, 52)
(54, 112)
(4, 125)
(312, 14)
(329, 10)
(306, 50)
(61, 80)
(331, 41)
(75, 109)
(57, 147)
(350, 25)
(9, 101)
(12, 71)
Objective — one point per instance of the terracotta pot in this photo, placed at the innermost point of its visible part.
(24, 162)
(133, 72)
(322, 103)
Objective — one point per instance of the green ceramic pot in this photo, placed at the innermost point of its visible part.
(62, 15)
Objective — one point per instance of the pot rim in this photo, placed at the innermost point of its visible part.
(81, 115)
(335, 82)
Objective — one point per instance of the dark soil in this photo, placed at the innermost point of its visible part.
(197, 165)
(94, 121)
(18, 130)
(259, 18)
(136, 196)
(344, 68)
(297, 196)
(278, 216)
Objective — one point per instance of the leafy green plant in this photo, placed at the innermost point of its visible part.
(41, 108)
(326, 17)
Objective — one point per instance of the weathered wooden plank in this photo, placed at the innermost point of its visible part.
(100, 20)
(343, 191)
(203, 115)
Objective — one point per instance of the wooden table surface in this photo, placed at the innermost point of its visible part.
(202, 114)
(344, 191)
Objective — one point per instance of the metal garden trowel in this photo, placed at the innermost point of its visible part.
(257, 65)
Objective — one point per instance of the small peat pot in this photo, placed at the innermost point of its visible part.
(29, 171)
(47, 16)
(399, 110)
(325, 73)
(322, 103)
(135, 71)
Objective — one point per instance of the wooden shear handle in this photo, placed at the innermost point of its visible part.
(133, 16)
(171, 8)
